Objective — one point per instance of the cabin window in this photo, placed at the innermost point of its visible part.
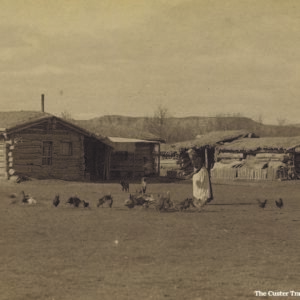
(47, 153)
(66, 148)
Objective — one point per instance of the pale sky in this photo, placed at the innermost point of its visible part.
(198, 57)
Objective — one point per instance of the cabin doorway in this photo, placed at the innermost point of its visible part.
(95, 159)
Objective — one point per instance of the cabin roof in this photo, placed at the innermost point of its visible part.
(264, 143)
(13, 121)
(212, 139)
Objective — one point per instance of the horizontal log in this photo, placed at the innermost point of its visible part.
(54, 137)
(280, 156)
(230, 155)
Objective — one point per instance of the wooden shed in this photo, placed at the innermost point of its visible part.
(133, 158)
(267, 158)
(40, 145)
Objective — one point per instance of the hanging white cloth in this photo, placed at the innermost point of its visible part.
(201, 187)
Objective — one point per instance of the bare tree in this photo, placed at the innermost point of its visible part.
(159, 122)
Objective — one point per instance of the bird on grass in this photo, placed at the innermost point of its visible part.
(107, 198)
(75, 201)
(185, 204)
(279, 203)
(262, 204)
(24, 197)
(125, 185)
(56, 200)
(85, 204)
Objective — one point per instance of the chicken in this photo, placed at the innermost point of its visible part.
(144, 185)
(85, 204)
(262, 204)
(125, 185)
(139, 200)
(56, 200)
(24, 197)
(107, 198)
(279, 203)
(185, 204)
(164, 202)
(75, 201)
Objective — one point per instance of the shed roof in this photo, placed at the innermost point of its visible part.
(212, 139)
(129, 140)
(118, 131)
(265, 143)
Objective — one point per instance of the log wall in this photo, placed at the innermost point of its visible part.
(248, 173)
(2, 158)
(26, 157)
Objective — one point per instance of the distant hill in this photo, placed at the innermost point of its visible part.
(180, 129)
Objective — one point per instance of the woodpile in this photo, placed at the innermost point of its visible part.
(257, 165)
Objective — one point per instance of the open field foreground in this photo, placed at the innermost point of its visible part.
(227, 251)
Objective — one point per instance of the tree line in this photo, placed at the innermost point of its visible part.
(162, 124)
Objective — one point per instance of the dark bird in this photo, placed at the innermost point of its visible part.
(139, 200)
(56, 200)
(14, 201)
(70, 201)
(85, 204)
(279, 203)
(144, 185)
(74, 201)
(107, 198)
(24, 197)
(185, 204)
(262, 204)
(164, 202)
(125, 185)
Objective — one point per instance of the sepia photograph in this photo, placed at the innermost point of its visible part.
(149, 150)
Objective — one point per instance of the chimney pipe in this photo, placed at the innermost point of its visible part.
(42, 103)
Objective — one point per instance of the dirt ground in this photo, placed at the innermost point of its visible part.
(230, 250)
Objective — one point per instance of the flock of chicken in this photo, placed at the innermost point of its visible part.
(262, 204)
(161, 202)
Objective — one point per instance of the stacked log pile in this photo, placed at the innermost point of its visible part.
(254, 166)
(3, 167)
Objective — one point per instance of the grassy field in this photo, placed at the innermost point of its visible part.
(227, 251)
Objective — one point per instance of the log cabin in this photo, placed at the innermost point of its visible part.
(134, 158)
(43, 146)
(205, 146)
(266, 158)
